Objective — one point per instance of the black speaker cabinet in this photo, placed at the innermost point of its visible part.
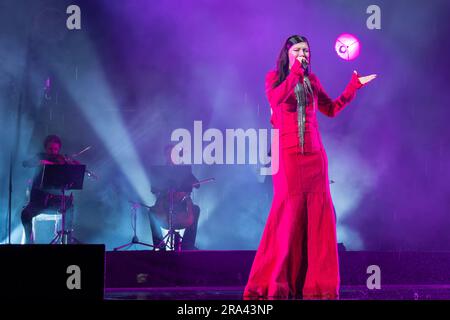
(49, 272)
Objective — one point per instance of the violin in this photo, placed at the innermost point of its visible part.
(54, 159)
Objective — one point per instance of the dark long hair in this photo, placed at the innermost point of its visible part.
(283, 57)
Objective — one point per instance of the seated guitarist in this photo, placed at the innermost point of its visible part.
(186, 211)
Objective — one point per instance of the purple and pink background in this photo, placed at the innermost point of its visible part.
(139, 69)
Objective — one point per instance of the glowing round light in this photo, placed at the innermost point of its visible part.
(347, 46)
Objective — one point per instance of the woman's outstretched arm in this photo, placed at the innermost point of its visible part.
(331, 107)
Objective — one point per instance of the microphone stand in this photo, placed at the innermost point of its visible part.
(134, 240)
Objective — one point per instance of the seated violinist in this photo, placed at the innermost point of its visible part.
(44, 200)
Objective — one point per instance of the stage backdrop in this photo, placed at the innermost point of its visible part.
(138, 70)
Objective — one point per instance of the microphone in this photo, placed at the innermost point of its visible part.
(305, 66)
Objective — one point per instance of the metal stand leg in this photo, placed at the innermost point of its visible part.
(135, 239)
(61, 236)
(172, 240)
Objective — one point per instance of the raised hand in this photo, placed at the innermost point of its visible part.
(366, 79)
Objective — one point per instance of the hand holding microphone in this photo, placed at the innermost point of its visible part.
(304, 63)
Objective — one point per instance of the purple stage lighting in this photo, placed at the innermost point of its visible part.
(347, 46)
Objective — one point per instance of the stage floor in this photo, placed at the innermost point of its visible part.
(389, 292)
(221, 275)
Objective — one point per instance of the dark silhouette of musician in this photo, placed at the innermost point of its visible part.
(42, 200)
(183, 207)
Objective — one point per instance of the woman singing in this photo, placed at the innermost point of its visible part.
(297, 256)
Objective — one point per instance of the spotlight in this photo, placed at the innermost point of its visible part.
(347, 46)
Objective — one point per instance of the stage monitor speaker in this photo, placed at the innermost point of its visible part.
(49, 272)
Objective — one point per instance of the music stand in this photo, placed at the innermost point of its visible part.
(170, 179)
(63, 177)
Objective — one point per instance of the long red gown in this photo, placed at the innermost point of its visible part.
(297, 256)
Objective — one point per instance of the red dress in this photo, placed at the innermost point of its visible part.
(297, 255)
